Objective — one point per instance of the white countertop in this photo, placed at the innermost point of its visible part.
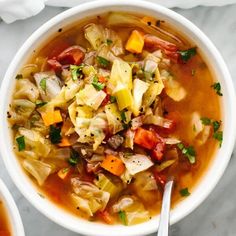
(217, 215)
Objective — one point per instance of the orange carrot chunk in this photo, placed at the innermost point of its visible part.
(113, 164)
(64, 142)
(51, 117)
(135, 42)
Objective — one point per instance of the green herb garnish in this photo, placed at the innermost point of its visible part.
(123, 116)
(112, 99)
(103, 61)
(206, 121)
(216, 125)
(97, 85)
(76, 71)
(184, 192)
(217, 88)
(187, 54)
(21, 143)
(40, 103)
(218, 136)
(109, 41)
(74, 158)
(189, 152)
(55, 134)
(19, 76)
(122, 217)
(43, 84)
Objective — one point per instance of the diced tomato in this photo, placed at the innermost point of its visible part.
(106, 217)
(55, 65)
(158, 152)
(59, 47)
(145, 138)
(152, 42)
(72, 55)
(160, 178)
(106, 100)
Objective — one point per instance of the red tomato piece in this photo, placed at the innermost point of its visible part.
(59, 47)
(55, 65)
(145, 138)
(105, 216)
(160, 178)
(72, 55)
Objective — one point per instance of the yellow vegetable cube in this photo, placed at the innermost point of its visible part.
(135, 42)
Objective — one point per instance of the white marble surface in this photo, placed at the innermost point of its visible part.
(217, 215)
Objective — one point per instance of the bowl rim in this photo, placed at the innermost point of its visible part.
(176, 214)
(12, 211)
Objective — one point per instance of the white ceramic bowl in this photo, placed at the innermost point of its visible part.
(12, 212)
(218, 68)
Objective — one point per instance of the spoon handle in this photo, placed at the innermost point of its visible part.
(165, 210)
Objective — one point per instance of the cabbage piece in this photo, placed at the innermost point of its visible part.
(135, 212)
(93, 199)
(23, 107)
(105, 52)
(145, 181)
(115, 42)
(137, 163)
(171, 140)
(105, 184)
(204, 135)
(113, 118)
(26, 89)
(71, 88)
(28, 70)
(153, 91)
(38, 169)
(126, 177)
(174, 89)
(157, 120)
(164, 165)
(94, 34)
(121, 72)
(90, 96)
(48, 84)
(129, 139)
(34, 140)
(196, 124)
(140, 87)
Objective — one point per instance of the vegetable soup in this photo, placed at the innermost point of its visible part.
(4, 223)
(106, 111)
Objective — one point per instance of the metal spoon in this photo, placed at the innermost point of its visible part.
(165, 210)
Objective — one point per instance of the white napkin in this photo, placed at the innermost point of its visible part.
(12, 10)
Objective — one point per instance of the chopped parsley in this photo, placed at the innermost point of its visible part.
(184, 192)
(43, 84)
(123, 116)
(112, 99)
(185, 55)
(21, 143)
(76, 71)
(74, 158)
(188, 152)
(122, 217)
(206, 121)
(55, 134)
(218, 136)
(19, 76)
(217, 88)
(40, 103)
(109, 41)
(103, 62)
(216, 125)
(97, 85)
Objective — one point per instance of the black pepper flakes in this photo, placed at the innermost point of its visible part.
(59, 30)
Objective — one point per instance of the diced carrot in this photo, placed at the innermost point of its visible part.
(63, 173)
(106, 217)
(145, 138)
(102, 79)
(51, 117)
(113, 164)
(135, 42)
(64, 142)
